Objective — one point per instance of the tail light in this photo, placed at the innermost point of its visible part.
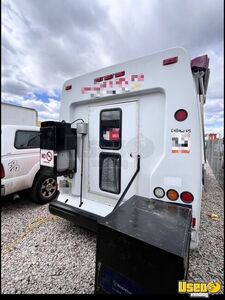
(181, 115)
(172, 195)
(186, 197)
(193, 222)
(171, 60)
(68, 87)
(159, 192)
(2, 172)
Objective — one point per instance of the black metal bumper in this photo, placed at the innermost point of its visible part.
(78, 216)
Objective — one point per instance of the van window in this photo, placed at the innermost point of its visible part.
(110, 128)
(25, 139)
(110, 172)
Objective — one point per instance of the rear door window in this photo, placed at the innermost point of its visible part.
(110, 172)
(110, 128)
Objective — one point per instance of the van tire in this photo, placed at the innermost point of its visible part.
(44, 189)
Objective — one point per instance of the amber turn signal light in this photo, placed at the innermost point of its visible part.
(172, 195)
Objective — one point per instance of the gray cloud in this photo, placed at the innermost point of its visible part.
(8, 47)
(13, 87)
(148, 26)
(194, 24)
(62, 16)
(214, 105)
(45, 43)
(58, 40)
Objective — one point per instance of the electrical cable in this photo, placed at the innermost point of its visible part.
(77, 120)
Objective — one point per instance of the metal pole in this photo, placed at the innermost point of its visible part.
(81, 172)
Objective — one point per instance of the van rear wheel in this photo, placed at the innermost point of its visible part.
(44, 189)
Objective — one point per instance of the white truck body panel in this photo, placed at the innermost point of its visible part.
(148, 125)
(18, 115)
(20, 165)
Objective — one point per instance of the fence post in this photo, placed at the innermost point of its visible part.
(215, 158)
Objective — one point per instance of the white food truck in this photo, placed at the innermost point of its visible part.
(135, 128)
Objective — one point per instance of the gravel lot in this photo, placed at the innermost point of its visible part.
(42, 253)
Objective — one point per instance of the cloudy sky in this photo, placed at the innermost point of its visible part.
(46, 42)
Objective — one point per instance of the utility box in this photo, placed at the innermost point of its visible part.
(143, 248)
(58, 144)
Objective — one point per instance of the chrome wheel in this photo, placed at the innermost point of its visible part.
(48, 187)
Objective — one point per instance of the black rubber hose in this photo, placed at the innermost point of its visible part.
(129, 184)
(77, 120)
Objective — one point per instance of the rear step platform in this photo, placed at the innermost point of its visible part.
(80, 217)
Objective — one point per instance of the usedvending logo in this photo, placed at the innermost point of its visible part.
(181, 140)
(199, 289)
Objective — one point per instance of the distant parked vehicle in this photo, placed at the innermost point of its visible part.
(20, 164)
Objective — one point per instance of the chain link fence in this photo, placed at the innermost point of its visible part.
(215, 157)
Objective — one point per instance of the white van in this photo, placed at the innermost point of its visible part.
(145, 136)
(20, 164)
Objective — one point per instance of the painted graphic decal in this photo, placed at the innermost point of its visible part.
(13, 166)
(181, 141)
(113, 85)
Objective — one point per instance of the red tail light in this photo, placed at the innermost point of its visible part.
(193, 222)
(171, 60)
(181, 115)
(2, 172)
(186, 197)
(68, 87)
